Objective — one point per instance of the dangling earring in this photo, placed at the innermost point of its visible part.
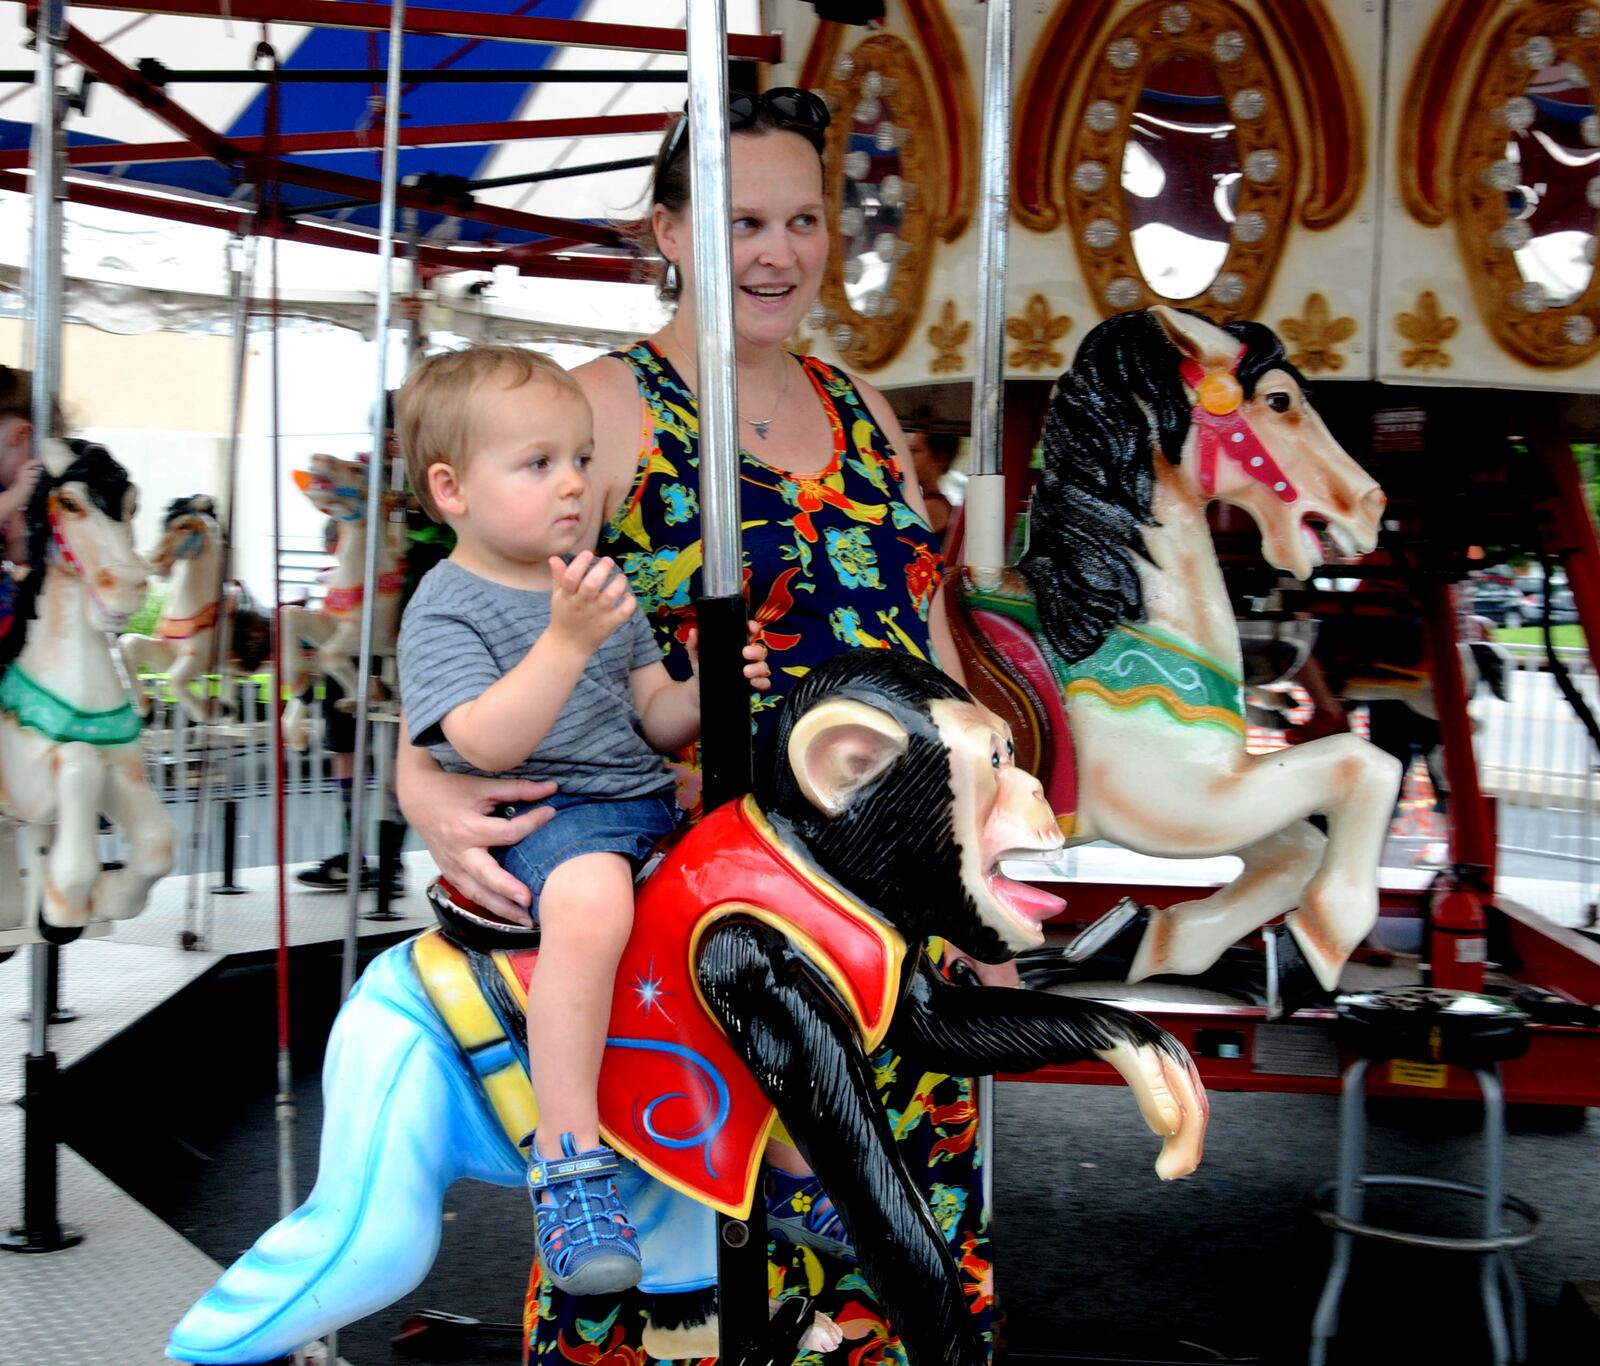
(669, 281)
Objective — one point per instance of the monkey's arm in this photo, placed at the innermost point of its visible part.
(804, 1053)
(980, 1030)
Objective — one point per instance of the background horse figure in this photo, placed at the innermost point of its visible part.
(185, 645)
(1161, 413)
(338, 488)
(69, 740)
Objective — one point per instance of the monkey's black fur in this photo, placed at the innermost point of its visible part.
(802, 1047)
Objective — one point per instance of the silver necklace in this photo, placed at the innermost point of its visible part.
(761, 424)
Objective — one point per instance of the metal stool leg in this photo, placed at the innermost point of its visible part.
(1490, 1270)
(1352, 1153)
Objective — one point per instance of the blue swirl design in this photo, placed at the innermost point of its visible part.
(1184, 678)
(703, 1133)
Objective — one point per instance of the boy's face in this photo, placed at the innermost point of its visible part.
(523, 495)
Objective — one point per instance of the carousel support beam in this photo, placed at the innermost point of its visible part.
(377, 471)
(549, 260)
(296, 144)
(986, 533)
(162, 75)
(93, 57)
(41, 1229)
(745, 1337)
(443, 23)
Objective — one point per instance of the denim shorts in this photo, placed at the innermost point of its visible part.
(587, 825)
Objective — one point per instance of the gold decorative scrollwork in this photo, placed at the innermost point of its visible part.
(1515, 309)
(1317, 336)
(1097, 207)
(871, 342)
(948, 337)
(1037, 329)
(1427, 329)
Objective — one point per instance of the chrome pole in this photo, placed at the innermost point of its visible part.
(715, 359)
(986, 488)
(376, 469)
(720, 610)
(986, 495)
(45, 286)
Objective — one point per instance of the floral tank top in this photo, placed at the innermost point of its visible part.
(832, 561)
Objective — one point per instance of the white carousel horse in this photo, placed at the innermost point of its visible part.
(190, 553)
(69, 739)
(338, 489)
(1117, 628)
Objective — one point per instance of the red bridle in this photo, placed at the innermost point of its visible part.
(1222, 429)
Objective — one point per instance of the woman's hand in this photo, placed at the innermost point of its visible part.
(458, 817)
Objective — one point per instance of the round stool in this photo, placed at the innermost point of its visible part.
(1427, 1025)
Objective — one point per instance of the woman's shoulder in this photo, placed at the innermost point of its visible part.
(605, 377)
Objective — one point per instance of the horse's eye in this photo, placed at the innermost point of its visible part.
(1279, 402)
(69, 503)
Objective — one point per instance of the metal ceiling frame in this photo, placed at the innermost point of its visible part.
(552, 257)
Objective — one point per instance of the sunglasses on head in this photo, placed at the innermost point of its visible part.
(795, 111)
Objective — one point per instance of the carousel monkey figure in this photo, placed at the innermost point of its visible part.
(778, 941)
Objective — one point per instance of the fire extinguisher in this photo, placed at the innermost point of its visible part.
(1456, 948)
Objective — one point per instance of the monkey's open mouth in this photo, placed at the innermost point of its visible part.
(1025, 904)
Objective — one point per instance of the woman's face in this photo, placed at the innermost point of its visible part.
(780, 235)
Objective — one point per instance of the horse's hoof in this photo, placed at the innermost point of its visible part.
(1104, 952)
(1291, 984)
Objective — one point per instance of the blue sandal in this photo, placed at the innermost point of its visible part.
(587, 1244)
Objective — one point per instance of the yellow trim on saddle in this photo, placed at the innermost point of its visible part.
(448, 979)
(1125, 699)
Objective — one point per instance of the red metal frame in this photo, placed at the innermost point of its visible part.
(546, 259)
(93, 57)
(291, 144)
(450, 24)
(1557, 1069)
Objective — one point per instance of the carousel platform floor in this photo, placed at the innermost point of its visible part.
(115, 1297)
(1125, 1246)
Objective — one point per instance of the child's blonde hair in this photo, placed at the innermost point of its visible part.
(433, 411)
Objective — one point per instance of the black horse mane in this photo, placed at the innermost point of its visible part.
(107, 483)
(1122, 400)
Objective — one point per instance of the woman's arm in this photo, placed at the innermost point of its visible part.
(619, 417)
(458, 818)
(944, 643)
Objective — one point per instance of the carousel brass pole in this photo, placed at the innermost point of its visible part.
(986, 492)
(376, 480)
(40, 1230)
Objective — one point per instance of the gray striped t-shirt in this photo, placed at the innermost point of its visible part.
(461, 633)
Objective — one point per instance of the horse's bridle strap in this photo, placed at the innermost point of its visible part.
(1221, 429)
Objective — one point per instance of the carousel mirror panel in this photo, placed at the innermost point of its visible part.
(880, 194)
(1183, 102)
(1529, 184)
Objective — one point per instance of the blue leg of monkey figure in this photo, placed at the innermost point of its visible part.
(402, 1121)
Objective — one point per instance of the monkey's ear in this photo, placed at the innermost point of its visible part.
(1196, 337)
(840, 746)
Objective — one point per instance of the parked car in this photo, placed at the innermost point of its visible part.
(1563, 608)
(1501, 603)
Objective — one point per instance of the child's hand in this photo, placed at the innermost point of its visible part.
(584, 607)
(756, 670)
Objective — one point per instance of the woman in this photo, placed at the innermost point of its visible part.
(837, 555)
